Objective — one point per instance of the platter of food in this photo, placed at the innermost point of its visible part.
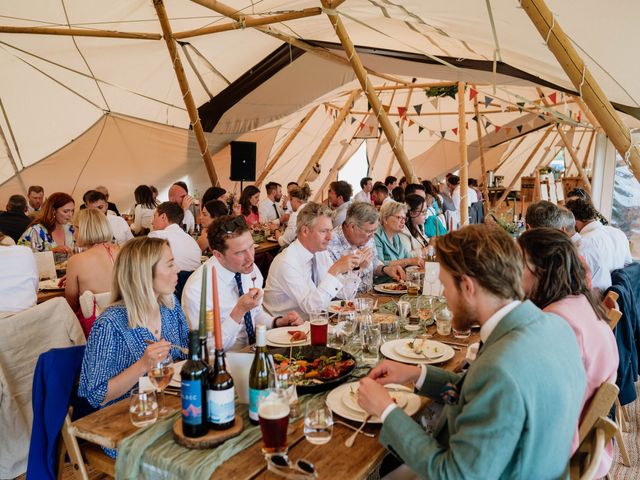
(393, 288)
(285, 336)
(342, 306)
(314, 368)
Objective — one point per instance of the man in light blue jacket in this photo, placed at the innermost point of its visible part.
(512, 414)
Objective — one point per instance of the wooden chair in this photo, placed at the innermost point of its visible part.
(585, 461)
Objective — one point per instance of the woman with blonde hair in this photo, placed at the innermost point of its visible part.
(298, 198)
(137, 330)
(90, 270)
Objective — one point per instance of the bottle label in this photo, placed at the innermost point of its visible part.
(220, 405)
(254, 398)
(192, 402)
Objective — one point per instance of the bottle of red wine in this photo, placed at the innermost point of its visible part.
(221, 411)
(259, 373)
(194, 391)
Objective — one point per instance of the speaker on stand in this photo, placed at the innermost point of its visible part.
(243, 162)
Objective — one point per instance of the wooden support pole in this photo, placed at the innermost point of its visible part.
(586, 154)
(464, 161)
(248, 23)
(292, 135)
(372, 96)
(575, 68)
(328, 137)
(592, 119)
(186, 92)
(483, 166)
(508, 155)
(81, 32)
(524, 166)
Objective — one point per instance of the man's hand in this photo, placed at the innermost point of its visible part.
(186, 202)
(291, 318)
(62, 282)
(344, 264)
(373, 397)
(246, 303)
(395, 271)
(394, 372)
(366, 256)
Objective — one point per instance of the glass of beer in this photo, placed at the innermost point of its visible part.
(413, 282)
(273, 414)
(319, 322)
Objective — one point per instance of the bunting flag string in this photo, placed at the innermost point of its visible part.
(434, 103)
(418, 108)
(487, 100)
(402, 111)
(519, 128)
(353, 120)
(443, 133)
(553, 97)
(520, 106)
(455, 131)
(473, 93)
(420, 128)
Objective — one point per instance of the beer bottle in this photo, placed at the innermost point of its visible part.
(220, 395)
(194, 382)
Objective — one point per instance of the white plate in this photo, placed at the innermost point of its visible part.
(430, 350)
(335, 403)
(350, 397)
(388, 349)
(383, 288)
(279, 337)
(334, 307)
(272, 239)
(49, 285)
(175, 379)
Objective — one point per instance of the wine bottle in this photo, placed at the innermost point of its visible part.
(220, 395)
(259, 373)
(194, 391)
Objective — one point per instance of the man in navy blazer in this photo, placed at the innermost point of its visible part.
(512, 414)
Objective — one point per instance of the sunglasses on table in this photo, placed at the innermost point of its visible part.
(282, 466)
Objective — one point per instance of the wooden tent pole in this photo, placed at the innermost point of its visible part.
(508, 155)
(464, 161)
(186, 92)
(584, 132)
(592, 119)
(328, 137)
(401, 129)
(292, 135)
(524, 166)
(483, 166)
(575, 68)
(372, 96)
(81, 32)
(586, 154)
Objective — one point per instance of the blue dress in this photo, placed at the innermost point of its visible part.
(113, 347)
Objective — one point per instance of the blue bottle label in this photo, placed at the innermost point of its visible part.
(254, 398)
(192, 402)
(220, 405)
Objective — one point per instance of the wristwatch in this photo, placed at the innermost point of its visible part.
(275, 320)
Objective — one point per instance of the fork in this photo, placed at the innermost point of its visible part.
(253, 278)
(366, 434)
(182, 349)
(351, 440)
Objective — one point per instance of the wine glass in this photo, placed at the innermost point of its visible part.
(143, 407)
(160, 376)
(318, 423)
(346, 325)
(370, 337)
(424, 306)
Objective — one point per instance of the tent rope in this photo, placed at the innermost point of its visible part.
(553, 24)
(584, 71)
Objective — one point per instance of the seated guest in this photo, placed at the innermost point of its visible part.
(96, 200)
(356, 234)
(339, 200)
(52, 229)
(389, 246)
(215, 193)
(568, 225)
(179, 193)
(144, 310)
(595, 245)
(412, 235)
(430, 189)
(366, 184)
(555, 280)
(15, 221)
(298, 197)
(18, 278)
(397, 194)
(249, 199)
(110, 205)
(90, 270)
(212, 209)
(286, 205)
(143, 211)
(186, 251)
(35, 197)
(415, 188)
(269, 209)
(499, 419)
(435, 222)
(237, 276)
(454, 188)
(402, 183)
(584, 195)
(543, 214)
(154, 193)
(390, 182)
(380, 195)
(303, 277)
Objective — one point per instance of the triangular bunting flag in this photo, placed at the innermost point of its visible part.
(579, 117)
(443, 133)
(398, 124)
(474, 118)
(434, 103)
(541, 117)
(420, 129)
(472, 93)
(402, 111)
(380, 130)
(519, 128)
(353, 119)
(553, 97)
(520, 106)
(411, 122)
(418, 108)
(498, 127)
(368, 106)
(386, 108)
(487, 122)
(487, 101)
(455, 131)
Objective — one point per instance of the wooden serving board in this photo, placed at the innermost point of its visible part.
(210, 440)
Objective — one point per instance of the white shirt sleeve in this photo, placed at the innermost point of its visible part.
(290, 233)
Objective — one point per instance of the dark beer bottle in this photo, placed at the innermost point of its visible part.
(194, 391)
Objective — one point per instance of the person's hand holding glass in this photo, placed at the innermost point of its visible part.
(160, 376)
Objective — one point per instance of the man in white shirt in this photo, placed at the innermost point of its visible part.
(286, 199)
(339, 199)
(270, 209)
(303, 277)
(179, 193)
(472, 197)
(237, 276)
(166, 224)
(18, 279)
(365, 195)
(119, 226)
(380, 195)
(622, 249)
(390, 182)
(35, 199)
(595, 244)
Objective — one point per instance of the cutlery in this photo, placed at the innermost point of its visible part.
(366, 434)
(182, 349)
(457, 344)
(253, 278)
(350, 441)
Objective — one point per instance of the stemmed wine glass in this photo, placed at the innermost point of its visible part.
(160, 376)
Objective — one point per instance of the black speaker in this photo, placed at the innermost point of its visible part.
(243, 161)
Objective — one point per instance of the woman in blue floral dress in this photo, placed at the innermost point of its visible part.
(52, 229)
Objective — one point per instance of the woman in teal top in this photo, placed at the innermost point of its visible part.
(390, 250)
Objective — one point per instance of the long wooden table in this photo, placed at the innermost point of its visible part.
(109, 426)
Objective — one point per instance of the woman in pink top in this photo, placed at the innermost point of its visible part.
(555, 279)
(249, 199)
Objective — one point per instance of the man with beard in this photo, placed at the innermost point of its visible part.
(512, 413)
(269, 209)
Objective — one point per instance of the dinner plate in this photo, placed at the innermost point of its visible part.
(279, 337)
(388, 349)
(335, 403)
(431, 350)
(336, 307)
(50, 284)
(387, 288)
(399, 393)
(272, 239)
